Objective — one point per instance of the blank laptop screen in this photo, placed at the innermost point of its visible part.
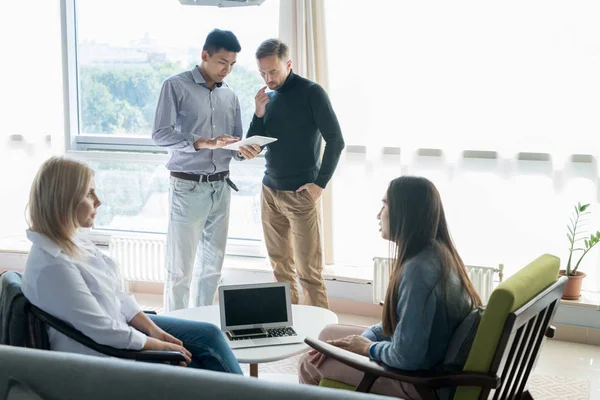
(255, 306)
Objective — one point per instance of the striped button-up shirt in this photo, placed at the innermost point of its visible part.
(188, 110)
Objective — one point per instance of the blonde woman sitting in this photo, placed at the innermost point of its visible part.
(68, 277)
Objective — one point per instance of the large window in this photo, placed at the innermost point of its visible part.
(126, 49)
(123, 50)
(496, 102)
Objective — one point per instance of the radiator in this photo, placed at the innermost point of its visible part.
(481, 277)
(140, 258)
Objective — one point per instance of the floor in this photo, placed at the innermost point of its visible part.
(571, 360)
(560, 363)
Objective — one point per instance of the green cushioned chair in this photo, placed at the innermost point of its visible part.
(505, 348)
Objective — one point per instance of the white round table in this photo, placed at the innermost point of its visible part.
(307, 321)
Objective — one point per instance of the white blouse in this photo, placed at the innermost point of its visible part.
(83, 292)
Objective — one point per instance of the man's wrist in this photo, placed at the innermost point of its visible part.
(320, 184)
(201, 143)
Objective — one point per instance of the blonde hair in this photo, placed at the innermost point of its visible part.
(57, 189)
(273, 47)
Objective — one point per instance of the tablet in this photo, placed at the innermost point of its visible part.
(259, 140)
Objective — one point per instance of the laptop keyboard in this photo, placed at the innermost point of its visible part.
(271, 333)
(233, 339)
(281, 332)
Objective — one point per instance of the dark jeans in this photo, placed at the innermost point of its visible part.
(204, 340)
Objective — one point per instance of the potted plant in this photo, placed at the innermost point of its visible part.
(573, 288)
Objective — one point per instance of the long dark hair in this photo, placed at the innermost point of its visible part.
(416, 221)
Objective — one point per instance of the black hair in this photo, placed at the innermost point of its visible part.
(219, 39)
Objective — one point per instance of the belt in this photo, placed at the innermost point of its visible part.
(220, 176)
(201, 178)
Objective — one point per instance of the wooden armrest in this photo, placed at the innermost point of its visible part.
(174, 357)
(432, 379)
(550, 331)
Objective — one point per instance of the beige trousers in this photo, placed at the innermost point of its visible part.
(315, 366)
(292, 229)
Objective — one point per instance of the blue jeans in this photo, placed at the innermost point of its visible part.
(204, 340)
(196, 239)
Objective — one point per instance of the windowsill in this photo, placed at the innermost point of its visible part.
(330, 272)
(588, 299)
(19, 245)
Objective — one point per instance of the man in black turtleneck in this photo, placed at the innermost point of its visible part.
(299, 114)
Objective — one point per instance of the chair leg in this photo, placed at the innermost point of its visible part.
(365, 384)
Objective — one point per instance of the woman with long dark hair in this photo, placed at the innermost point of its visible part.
(428, 296)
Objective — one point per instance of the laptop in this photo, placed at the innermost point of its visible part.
(257, 315)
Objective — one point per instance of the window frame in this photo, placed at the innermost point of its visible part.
(130, 143)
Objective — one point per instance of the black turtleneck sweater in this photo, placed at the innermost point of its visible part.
(298, 114)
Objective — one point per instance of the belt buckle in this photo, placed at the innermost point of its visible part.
(216, 177)
(212, 178)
